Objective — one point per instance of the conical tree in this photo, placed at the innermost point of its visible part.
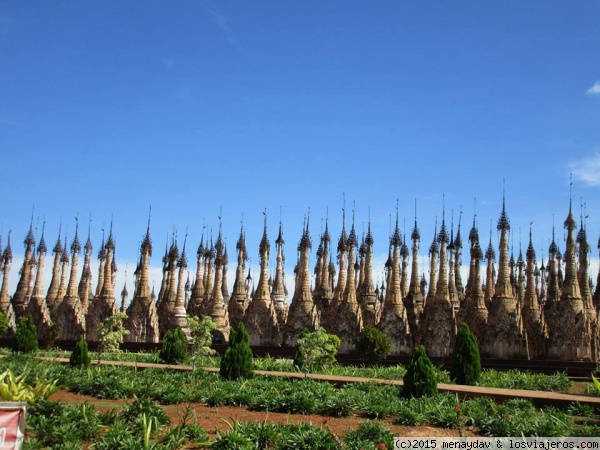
(419, 379)
(80, 357)
(175, 348)
(237, 360)
(466, 362)
(25, 339)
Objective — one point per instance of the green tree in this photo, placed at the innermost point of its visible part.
(298, 358)
(237, 361)
(175, 347)
(419, 379)
(466, 362)
(201, 332)
(373, 344)
(317, 349)
(25, 340)
(111, 333)
(80, 357)
(3, 323)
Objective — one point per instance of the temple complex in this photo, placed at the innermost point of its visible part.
(516, 309)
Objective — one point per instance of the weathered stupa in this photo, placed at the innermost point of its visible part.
(261, 319)
(69, 316)
(142, 318)
(303, 312)
(394, 320)
(348, 319)
(438, 325)
(504, 338)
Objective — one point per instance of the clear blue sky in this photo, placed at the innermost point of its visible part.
(108, 107)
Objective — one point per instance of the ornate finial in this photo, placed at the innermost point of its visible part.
(264, 246)
(42, 245)
(110, 243)
(182, 262)
(416, 235)
(75, 246)
(503, 222)
(443, 235)
(490, 254)
(530, 254)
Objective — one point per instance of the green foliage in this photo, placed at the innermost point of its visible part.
(50, 335)
(373, 344)
(3, 323)
(25, 340)
(466, 362)
(144, 409)
(514, 379)
(419, 379)
(80, 357)
(316, 350)
(201, 332)
(369, 435)
(596, 384)
(14, 388)
(237, 360)
(111, 333)
(175, 347)
(298, 357)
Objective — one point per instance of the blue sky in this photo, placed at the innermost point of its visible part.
(194, 107)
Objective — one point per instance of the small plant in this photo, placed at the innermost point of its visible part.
(596, 384)
(316, 350)
(298, 356)
(111, 333)
(201, 332)
(3, 323)
(175, 347)
(25, 340)
(369, 435)
(14, 388)
(373, 344)
(466, 362)
(80, 357)
(419, 380)
(237, 360)
(50, 336)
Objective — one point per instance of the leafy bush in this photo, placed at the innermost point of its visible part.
(80, 357)
(50, 335)
(466, 362)
(175, 348)
(111, 333)
(419, 379)
(14, 388)
(201, 332)
(316, 350)
(25, 340)
(3, 323)
(369, 435)
(237, 360)
(373, 344)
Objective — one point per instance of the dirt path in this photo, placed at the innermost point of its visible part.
(219, 418)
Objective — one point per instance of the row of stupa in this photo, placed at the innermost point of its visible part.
(518, 310)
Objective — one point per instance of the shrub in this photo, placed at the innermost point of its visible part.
(201, 332)
(25, 340)
(175, 348)
(466, 362)
(3, 323)
(111, 333)
(373, 344)
(50, 335)
(369, 435)
(317, 349)
(298, 358)
(419, 380)
(15, 389)
(237, 360)
(80, 357)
